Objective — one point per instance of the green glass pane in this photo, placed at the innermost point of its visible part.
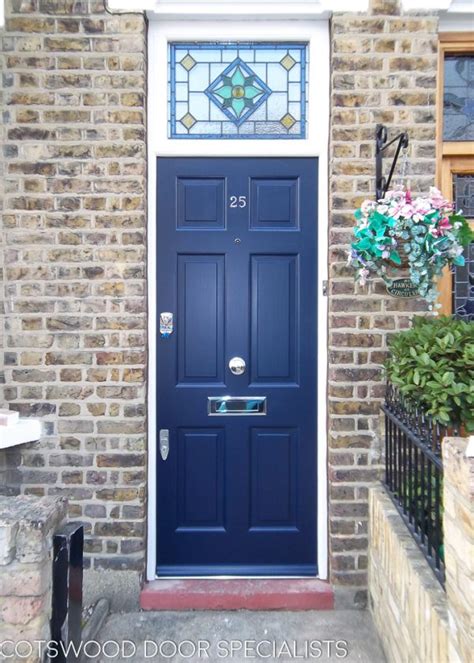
(251, 92)
(225, 91)
(238, 105)
(238, 78)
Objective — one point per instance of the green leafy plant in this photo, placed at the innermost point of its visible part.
(420, 234)
(432, 365)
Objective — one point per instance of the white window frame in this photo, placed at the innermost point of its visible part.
(316, 33)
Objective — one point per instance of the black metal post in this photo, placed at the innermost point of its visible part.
(66, 618)
(381, 137)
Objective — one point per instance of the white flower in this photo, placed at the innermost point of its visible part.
(363, 274)
(367, 207)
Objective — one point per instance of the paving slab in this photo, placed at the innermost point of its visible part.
(239, 637)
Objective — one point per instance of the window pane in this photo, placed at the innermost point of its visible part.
(237, 90)
(463, 194)
(463, 277)
(458, 104)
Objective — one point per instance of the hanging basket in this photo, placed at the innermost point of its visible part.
(386, 228)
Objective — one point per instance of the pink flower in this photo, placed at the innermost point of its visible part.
(437, 200)
(408, 196)
(407, 211)
(422, 205)
(444, 224)
(441, 228)
(395, 211)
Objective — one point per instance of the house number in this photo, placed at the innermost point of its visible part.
(238, 201)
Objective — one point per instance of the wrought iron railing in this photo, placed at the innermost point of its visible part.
(414, 474)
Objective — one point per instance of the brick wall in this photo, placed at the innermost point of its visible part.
(416, 619)
(74, 158)
(383, 70)
(26, 552)
(74, 162)
(408, 604)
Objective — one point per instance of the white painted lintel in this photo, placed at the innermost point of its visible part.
(199, 9)
(25, 430)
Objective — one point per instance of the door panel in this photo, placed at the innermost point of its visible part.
(201, 494)
(274, 318)
(200, 203)
(236, 256)
(274, 204)
(270, 508)
(201, 319)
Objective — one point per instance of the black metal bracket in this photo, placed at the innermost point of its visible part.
(381, 137)
(66, 613)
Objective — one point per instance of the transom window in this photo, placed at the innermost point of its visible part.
(458, 104)
(237, 90)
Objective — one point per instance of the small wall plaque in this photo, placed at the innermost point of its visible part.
(403, 288)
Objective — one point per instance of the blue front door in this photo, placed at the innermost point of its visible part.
(237, 269)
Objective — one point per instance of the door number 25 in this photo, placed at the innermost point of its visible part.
(238, 201)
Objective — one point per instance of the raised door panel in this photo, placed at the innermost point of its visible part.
(273, 468)
(200, 319)
(274, 319)
(201, 455)
(200, 203)
(274, 204)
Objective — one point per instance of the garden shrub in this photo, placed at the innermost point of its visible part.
(432, 366)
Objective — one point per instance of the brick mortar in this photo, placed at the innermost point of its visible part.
(408, 605)
(75, 348)
(383, 69)
(64, 305)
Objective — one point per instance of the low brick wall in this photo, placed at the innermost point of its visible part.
(417, 621)
(408, 604)
(27, 525)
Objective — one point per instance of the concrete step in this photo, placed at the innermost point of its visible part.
(238, 594)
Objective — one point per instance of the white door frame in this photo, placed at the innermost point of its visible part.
(316, 33)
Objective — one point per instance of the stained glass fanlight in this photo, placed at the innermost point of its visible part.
(237, 90)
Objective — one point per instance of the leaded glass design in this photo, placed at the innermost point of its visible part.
(458, 104)
(463, 194)
(463, 277)
(237, 90)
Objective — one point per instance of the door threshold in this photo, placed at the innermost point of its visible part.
(237, 594)
(235, 577)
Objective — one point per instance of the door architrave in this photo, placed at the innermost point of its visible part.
(316, 33)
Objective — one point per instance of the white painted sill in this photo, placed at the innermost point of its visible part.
(25, 430)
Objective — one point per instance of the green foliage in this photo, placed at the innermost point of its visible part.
(432, 364)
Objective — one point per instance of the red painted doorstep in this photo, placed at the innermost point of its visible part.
(255, 594)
